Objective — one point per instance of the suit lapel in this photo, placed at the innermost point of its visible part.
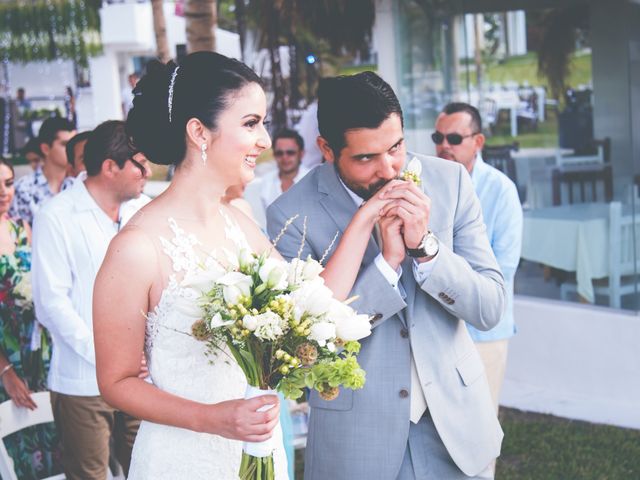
(340, 206)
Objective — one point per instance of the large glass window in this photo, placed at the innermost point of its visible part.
(556, 89)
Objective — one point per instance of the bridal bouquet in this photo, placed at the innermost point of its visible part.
(284, 329)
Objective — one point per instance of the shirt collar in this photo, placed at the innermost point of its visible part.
(83, 201)
(357, 199)
(478, 166)
(39, 178)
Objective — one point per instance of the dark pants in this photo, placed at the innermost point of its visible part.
(86, 425)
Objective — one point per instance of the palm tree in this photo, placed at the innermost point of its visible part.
(160, 30)
(201, 19)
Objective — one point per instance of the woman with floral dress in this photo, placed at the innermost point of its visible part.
(24, 346)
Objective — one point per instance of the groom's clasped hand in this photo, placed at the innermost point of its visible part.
(401, 210)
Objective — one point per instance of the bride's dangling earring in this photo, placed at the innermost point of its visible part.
(204, 153)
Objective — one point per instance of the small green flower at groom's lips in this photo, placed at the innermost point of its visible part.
(413, 171)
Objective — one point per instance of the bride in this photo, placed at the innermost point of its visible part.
(207, 118)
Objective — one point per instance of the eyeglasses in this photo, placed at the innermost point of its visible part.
(452, 138)
(282, 153)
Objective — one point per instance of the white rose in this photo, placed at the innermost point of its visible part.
(313, 297)
(274, 273)
(322, 331)
(236, 285)
(250, 322)
(203, 280)
(269, 326)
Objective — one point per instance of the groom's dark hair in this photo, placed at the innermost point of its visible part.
(348, 102)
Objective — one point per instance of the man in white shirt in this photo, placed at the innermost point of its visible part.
(288, 150)
(70, 237)
(458, 137)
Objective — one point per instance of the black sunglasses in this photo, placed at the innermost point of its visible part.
(452, 138)
(280, 153)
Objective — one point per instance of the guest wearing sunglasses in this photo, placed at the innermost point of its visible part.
(288, 150)
(459, 137)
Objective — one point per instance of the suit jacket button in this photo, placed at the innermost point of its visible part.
(376, 317)
(451, 301)
(404, 393)
(442, 295)
(404, 333)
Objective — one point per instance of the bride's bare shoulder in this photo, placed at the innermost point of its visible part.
(132, 247)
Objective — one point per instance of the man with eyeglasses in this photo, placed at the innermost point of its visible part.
(71, 234)
(288, 150)
(459, 137)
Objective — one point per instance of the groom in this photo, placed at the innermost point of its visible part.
(426, 410)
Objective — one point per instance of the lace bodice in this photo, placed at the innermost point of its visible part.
(178, 364)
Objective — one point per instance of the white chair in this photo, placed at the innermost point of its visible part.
(13, 419)
(624, 259)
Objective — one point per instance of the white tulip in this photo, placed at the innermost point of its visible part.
(274, 273)
(250, 322)
(300, 271)
(217, 321)
(203, 280)
(313, 297)
(354, 327)
(322, 331)
(245, 258)
(414, 166)
(236, 285)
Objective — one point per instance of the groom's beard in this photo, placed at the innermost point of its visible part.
(363, 192)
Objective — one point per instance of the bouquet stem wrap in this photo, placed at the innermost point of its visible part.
(267, 447)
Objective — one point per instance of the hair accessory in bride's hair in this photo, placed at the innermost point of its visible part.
(171, 84)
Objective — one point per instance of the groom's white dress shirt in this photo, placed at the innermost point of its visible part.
(71, 234)
(421, 272)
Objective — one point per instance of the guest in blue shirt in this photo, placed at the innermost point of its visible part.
(459, 137)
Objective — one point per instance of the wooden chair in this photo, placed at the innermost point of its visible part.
(582, 184)
(499, 156)
(624, 259)
(13, 419)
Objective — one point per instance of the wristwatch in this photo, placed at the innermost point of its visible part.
(428, 247)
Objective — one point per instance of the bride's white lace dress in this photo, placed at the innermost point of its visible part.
(179, 365)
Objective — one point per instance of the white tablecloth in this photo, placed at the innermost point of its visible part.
(574, 238)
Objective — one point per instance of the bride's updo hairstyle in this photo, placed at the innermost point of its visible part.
(168, 96)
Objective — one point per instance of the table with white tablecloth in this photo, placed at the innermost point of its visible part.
(574, 238)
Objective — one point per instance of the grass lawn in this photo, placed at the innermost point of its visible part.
(544, 447)
(545, 135)
(524, 68)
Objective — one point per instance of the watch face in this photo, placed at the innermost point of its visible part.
(430, 245)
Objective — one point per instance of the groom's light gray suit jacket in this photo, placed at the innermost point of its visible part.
(363, 434)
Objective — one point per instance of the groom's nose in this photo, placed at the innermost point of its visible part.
(386, 168)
